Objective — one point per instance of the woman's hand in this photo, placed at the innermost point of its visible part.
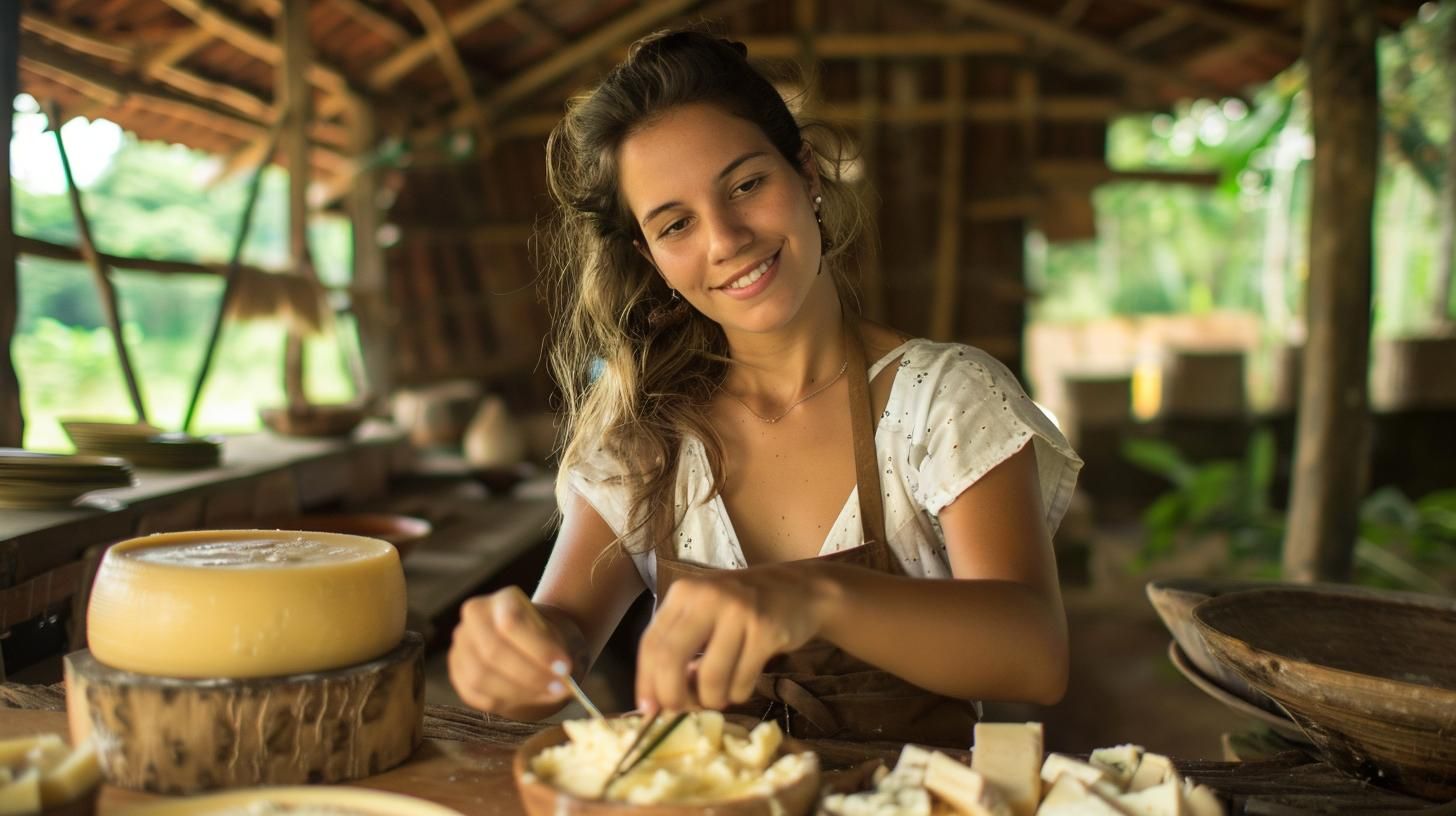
(737, 620)
(505, 656)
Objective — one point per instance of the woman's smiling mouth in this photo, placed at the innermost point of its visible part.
(754, 281)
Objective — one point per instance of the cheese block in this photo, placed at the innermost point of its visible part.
(1071, 796)
(964, 789)
(1008, 755)
(1119, 761)
(1154, 769)
(1058, 764)
(245, 603)
(1165, 799)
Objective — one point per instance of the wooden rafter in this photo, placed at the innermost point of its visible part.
(1071, 12)
(601, 40)
(247, 38)
(62, 34)
(889, 45)
(1093, 50)
(296, 102)
(37, 248)
(179, 48)
(1153, 29)
(413, 55)
(528, 19)
(383, 25)
(437, 31)
(1229, 23)
(110, 89)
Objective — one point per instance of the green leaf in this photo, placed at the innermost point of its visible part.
(1159, 457)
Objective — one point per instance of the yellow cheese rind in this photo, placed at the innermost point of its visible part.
(21, 794)
(239, 620)
(1008, 755)
(77, 774)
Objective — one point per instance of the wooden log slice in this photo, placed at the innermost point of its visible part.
(177, 736)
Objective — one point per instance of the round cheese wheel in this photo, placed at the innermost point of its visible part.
(245, 603)
(298, 801)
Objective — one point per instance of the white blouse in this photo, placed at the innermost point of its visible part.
(954, 413)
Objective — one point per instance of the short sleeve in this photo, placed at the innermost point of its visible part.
(600, 479)
(976, 416)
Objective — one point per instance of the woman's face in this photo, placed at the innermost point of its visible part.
(729, 223)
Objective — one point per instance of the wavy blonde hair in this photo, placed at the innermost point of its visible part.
(633, 383)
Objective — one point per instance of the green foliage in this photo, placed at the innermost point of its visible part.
(151, 202)
(1402, 544)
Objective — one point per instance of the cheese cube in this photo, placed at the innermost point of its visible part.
(1071, 796)
(1160, 800)
(1120, 762)
(964, 789)
(1058, 764)
(1153, 770)
(1200, 800)
(910, 767)
(1008, 755)
(76, 775)
(22, 794)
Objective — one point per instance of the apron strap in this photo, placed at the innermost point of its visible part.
(862, 428)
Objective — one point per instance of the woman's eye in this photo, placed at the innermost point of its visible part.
(748, 186)
(676, 226)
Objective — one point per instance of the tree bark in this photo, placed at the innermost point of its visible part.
(12, 417)
(1331, 445)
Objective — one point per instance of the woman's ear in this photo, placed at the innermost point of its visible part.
(809, 168)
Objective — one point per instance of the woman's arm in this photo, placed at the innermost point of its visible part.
(502, 656)
(997, 631)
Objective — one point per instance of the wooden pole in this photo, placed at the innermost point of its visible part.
(1331, 445)
(12, 417)
(235, 262)
(109, 305)
(1446, 250)
(293, 88)
(952, 164)
(369, 301)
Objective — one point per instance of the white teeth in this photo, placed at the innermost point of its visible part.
(752, 277)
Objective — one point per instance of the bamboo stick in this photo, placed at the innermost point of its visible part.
(109, 305)
(293, 89)
(952, 169)
(230, 279)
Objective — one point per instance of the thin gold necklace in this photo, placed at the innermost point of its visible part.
(816, 392)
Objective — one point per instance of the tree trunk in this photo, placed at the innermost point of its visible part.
(1446, 250)
(1331, 446)
(12, 419)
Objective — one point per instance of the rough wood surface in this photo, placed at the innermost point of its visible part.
(1331, 448)
(173, 736)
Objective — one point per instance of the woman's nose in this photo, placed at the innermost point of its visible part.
(728, 234)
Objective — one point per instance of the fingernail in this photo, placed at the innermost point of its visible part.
(559, 668)
(556, 689)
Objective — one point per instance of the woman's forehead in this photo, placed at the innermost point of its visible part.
(684, 147)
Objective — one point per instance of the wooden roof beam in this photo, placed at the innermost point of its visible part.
(610, 35)
(1072, 11)
(383, 25)
(1091, 49)
(528, 19)
(890, 45)
(245, 37)
(1232, 24)
(109, 89)
(437, 31)
(62, 34)
(178, 49)
(1153, 29)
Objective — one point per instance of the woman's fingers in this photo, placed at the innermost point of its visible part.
(679, 631)
(718, 665)
(501, 654)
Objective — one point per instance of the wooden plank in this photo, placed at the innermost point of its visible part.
(26, 245)
(1093, 50)
(1331, 450)
(12, 417)
(888, 45)
(952, 173)
(441, 41)
(371, 17)
(73, 38)
(413, 55)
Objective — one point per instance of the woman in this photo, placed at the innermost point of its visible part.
(723, 399)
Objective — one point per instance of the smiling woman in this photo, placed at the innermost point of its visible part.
(846, 529)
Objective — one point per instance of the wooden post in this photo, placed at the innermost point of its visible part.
(873, 279)
(1332, 437)
(110, 308)
(1446, 249)
(369, 298)
(952, 164)
(294, 91)
(12, 417)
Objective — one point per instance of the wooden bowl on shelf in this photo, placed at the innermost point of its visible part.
(1370, 679)
(313, 420)
(541, 799)
(404, 532)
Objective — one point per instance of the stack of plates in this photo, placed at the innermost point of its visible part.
(144, 445)
(40, 480)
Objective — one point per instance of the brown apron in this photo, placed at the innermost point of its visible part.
(820, 691)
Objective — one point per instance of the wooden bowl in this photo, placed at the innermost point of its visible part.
(1370, 679)
(313, 420)
(357, 800)
(1278, 723)
(404, 532)
(1174, 600)
(541, 799)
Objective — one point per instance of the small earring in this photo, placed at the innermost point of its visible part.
(674, 295)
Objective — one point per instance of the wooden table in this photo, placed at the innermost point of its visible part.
(465, 763)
